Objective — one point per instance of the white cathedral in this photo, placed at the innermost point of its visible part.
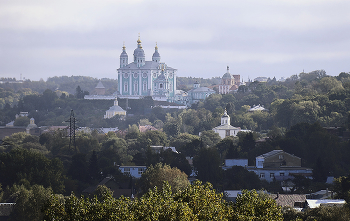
(145, 78)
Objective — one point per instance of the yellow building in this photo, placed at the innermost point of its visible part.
(114, 110)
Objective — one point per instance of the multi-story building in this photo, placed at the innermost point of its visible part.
(279, 165)
(145, 78)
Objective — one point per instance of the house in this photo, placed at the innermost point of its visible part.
(229, 163)
(321, 194)
(134, 171)
(314, 203)
(279, 165)
(225, 129)
(5, 210)
(119, 189)
(296, 201)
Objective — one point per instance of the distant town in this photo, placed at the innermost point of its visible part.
(282, 143)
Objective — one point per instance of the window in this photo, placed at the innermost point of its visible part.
(272, 175)
(127, 170)
(262, 175)
(260, 163)
(227, 133)
(281, 174)
(141, 170)
(136, 75)
(281, 157)
(125, 87)
(135, 87)
(145, 86)
(160, 86)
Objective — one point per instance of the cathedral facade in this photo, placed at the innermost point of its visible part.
(141, 78)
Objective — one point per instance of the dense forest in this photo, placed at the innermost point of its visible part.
(301, 113)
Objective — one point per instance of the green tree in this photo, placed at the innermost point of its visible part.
(79, 168)
(21, 164)
(204, 202)
(21, 121)
(237, 178)
(209, 138)
(171, 128)
(342, 188)
(251, 205)
(94, 169)
(29, 202)
(156, 175)
(182, 139)
(207, 165)
(153, 137)
(116, 149)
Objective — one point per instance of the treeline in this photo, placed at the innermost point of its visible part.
(11, 93)
(95, 155)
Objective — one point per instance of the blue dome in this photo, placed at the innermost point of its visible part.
(138, 52)
(123, 54)
(156, 54)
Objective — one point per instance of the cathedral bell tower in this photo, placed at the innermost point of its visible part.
(156, 55)
(225, 119)
(123, 58)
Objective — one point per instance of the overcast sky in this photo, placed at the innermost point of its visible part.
(41, 39)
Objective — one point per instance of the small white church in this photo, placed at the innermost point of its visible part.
(225, 129)
(114, 110)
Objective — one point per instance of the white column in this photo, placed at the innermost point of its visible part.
(130, 83)
(140, 83)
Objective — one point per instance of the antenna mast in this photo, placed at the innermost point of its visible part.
(72, 129)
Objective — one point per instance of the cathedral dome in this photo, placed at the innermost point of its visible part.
(225, 114)
(156, 54)
(227, 74)
(138, 52)
(123, 54)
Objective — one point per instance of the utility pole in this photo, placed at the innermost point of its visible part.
(72, 128)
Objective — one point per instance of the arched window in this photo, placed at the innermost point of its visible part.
(126, 87)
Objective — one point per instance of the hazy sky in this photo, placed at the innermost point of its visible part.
(41, 39)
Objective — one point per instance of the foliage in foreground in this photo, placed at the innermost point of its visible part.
(196, 202)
